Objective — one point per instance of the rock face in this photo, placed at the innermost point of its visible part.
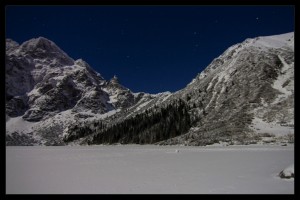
(42, 82)
(243, 96)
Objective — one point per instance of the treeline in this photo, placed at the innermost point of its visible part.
(149, 127)
(81, 130)
(154, 125)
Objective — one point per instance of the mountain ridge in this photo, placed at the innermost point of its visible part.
(248, 87)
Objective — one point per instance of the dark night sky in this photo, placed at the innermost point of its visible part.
(150, 48)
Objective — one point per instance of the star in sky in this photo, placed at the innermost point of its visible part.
(134, 35)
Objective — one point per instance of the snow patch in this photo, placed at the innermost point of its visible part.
(161, 94)
(34, 92)
(108, 114)
(142, 105)
(260, 126)
(136, 94)
(18, 124)
(212, 99)
(276, 41)
(163, 98)
(113, 98)
(286, 74)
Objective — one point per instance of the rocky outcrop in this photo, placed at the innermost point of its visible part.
(287, 173)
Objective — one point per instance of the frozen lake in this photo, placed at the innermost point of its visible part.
(148, 169)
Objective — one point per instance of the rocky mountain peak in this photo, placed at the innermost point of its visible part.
(10, 44)
(43, 83)
(260, 44)
(45, 50)
(81, 63)
(114, 80)
(41, 44)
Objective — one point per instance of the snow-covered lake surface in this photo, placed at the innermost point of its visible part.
(148, 169)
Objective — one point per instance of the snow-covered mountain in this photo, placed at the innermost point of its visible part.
(249, 89)
(46, 90)
(243, 96)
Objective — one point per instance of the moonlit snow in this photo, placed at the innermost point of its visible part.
(148, 169)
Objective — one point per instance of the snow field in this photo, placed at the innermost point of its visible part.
(148, 169)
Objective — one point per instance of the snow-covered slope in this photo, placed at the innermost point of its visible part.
(249, 89)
